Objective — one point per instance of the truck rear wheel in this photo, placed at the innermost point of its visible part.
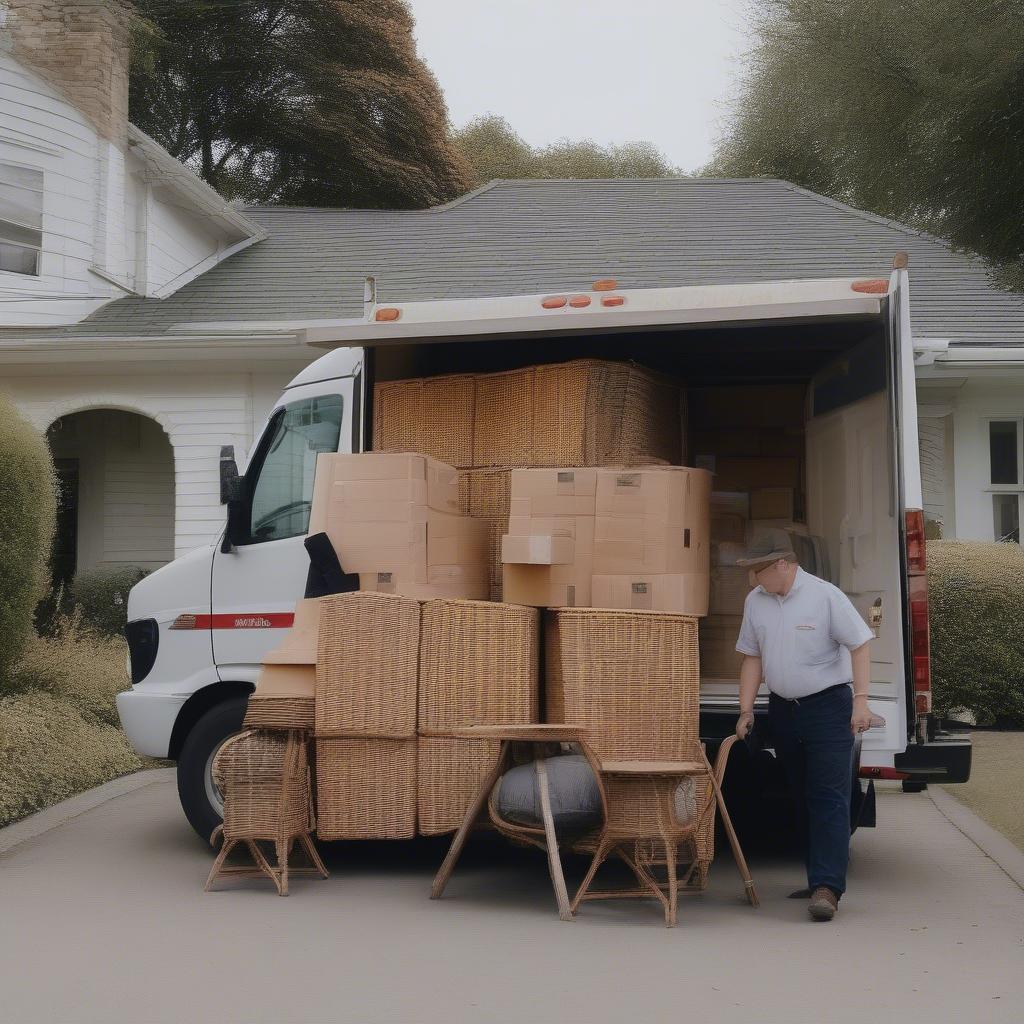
(200, 799)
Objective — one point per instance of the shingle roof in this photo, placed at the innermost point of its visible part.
(525, 237)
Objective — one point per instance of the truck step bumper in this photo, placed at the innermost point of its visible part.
(947, 758)
(148, 719)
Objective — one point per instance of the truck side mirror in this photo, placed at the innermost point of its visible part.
(229, 478)
(237, 527)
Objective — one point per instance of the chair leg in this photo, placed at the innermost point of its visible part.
(671, 851)
(264, 865)
(311, 852)
(645, 878)
(219, 862)
(551, 841)
(599, 856)
(284, 849)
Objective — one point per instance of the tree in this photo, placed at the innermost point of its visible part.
(913, 110)
(299, 102)
(494, 150)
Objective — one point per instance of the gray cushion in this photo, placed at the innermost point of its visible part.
(575, 797)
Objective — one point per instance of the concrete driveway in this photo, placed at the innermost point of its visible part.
(104, 919)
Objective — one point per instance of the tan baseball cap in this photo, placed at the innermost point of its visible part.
(764, 551)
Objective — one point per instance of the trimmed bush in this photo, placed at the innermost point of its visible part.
(28, 509)
(48, 752)
(101, 595)
(976, 603)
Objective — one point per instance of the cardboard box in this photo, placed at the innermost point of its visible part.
(537, 549)
(730, 503)
(287, 680)
(771, 503)
(730, 585)
(645, 545)
(299, 644)
(548, 586)
(552, 492)
(717, 635)
(575, 528)
(674, 494)
(727, 552)
(440, 581)
(728, 528)
(681, 593)
(746, 474)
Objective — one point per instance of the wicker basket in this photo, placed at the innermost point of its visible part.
(366, 788)
(486, 496)
(431, 415)
(478, 664)
(503, 419)
(273, 712)
(367, 666)
(630, 677)
(449, 774)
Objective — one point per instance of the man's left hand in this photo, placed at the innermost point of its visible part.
(861, 720)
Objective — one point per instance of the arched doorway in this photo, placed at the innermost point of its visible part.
(115, 472)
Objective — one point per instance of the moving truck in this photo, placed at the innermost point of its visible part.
(199, 626)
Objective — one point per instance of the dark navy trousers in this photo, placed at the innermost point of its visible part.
(814, 742)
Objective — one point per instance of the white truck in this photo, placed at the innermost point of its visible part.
(199, 626)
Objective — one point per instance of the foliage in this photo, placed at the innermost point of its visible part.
(976, 604)
(298, 102)
(494, 150)
(911, 110)
(28, 508)
(101, 597)
(49, 751)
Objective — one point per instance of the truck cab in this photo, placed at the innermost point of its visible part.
(199, 627)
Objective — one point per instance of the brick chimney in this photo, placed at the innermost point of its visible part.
(81, 48)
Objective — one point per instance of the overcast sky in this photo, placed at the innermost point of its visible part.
(610, 70)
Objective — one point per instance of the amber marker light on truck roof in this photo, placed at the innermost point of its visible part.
(554, 302)
(606, 284)
(579, 301)
(389, 313)
(876, 286)
(613, 300)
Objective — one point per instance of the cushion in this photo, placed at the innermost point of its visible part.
(575, 796)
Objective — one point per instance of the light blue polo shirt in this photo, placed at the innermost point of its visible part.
(803, 639)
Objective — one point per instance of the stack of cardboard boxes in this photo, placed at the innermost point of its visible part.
(395, 520)
(634, 538)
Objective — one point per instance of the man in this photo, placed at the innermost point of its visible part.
(804, 638)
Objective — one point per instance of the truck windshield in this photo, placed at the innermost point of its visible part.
(283, 487)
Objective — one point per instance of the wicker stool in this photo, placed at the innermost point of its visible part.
(264, 777)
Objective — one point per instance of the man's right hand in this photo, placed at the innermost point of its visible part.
(744, 724)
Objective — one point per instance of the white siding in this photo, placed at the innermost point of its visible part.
(932, 438)
(198, 413)
(176, 241)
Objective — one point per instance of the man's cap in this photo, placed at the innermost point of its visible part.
(765, 550)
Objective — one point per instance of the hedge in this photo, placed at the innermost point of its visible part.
(101, 597)
(976, 604)
(28, 509)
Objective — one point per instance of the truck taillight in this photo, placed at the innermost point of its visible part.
(917, 589)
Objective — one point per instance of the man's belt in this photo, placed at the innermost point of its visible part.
(810, 697)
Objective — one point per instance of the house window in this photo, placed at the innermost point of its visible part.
(1006, 476)
(21, 219)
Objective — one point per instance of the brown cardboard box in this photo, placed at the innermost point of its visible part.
(299, 644)
(771, 503)
(537, 549)
(646, 545)
(730, 585)
(552, 492)
(674, 494)
(746, 474)
(681, 593)
(717, 635)
(485, 496)
(572, 527)
(728, 528)
(548, 586)
(287, 680)
(425, 585)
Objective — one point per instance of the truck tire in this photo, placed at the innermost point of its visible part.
(199, 798)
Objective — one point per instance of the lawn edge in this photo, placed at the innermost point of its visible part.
(58, 814)
(990, 841)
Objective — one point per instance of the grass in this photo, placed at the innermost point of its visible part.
(996, 788)
(59, 732)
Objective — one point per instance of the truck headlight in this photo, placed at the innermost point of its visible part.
(143, 637)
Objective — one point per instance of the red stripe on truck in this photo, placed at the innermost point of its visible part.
(236, 620)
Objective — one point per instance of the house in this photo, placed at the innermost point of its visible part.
(145, 322)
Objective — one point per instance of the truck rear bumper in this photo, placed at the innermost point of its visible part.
(947, 758)
(148, 719)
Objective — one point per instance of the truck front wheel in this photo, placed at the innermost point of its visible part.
(200, 798)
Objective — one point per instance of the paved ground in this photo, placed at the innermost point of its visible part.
(996, 790)
(103, 919)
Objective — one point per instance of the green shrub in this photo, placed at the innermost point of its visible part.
(28, 508)
(77, 665)
(102, 597)
(976, 603)
(48, 752)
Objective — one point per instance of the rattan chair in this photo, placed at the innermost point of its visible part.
(265, 779)
(631, 679)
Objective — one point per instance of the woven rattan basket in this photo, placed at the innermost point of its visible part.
(366, 788)
(279, 712)
(449, 773)
(631, 678)
(478, 664)
(367, 666)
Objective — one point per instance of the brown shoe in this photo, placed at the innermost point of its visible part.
(823, 905)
